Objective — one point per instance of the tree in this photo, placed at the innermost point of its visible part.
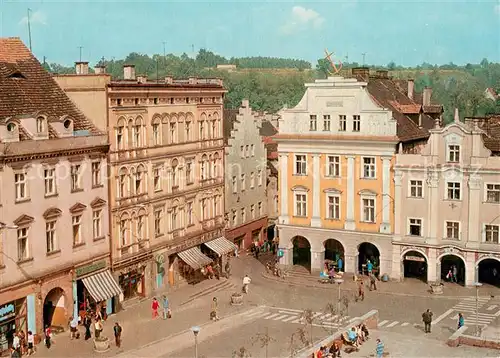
(263, 339)
(391, 66)
(298, 340)
(323, 67)
(242, 352)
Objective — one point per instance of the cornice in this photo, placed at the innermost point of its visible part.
(12, 158)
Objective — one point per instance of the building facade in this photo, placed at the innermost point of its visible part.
(54, 207)
(166, 173)
(447, 204)
(246, 177)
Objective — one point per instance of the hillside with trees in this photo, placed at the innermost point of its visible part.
(272, 83)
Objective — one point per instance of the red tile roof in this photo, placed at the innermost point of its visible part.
(491, 138)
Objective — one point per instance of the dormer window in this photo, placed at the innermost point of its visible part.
(11, 127)
(40, 125)
(67, 123)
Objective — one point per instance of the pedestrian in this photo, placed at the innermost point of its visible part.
(213, 312)
(118, 334)
(227, 268)
(454, 273)
(380, 348)
(373, 282)
(449, 276)
(73, 327)
(154, 307)
(97, 328)
(22, 341)
(257, 249)
(48, 337)
(236, 251)
(165, 306)
(217, 271)
(14, 353)
(87, 322)
(31, 343)
(369, 267)
(16, 343)
(427, 319)
(340, 264)
(361, 290)
(461, 321)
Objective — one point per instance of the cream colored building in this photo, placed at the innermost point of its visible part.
(166, 172)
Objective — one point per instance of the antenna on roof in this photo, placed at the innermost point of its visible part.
(156, 70)
(363, 54)
(80, 48)
(29, 28)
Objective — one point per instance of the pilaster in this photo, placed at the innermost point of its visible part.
(433, 205)
(283, 175)
(397, 202)
(349, 222)
(474, 233)
(396, 273)
(433, 267)
(317, 260)
(385, 226)
(316, 215)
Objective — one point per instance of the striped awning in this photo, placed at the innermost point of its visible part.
(194, 258)
(221, 246)
(102, 286)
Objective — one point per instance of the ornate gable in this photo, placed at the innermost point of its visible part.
(52, 213)
(24, 220)
(97, 203)
(77, 208)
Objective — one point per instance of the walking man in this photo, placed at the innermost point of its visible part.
(361, 290)
(461, 321)
(373, 282)
(369, 267)
(427, 319)
(454, 273)
(380, 348)
(165, 307)
(118, 334)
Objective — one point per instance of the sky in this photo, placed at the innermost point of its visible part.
(407, 32)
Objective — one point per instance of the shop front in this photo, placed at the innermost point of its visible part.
(95, 289)
(132, 283)
(13, 318)
(192, 264)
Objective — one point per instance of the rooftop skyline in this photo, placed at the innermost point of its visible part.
(405, 32)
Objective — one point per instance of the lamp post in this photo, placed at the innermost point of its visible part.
(195, 330)
(477, 284)
(338, 281)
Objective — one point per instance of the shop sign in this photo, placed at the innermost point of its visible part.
(84, 270)
(160, 259)
(414, 258)
(7, 311)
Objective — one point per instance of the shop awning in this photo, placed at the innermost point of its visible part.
(221, 246)
(194, 258)
(102, 286)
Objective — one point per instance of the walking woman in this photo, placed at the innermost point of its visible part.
(461, 320)
(154, 307)
(48, 336)
(87, 322)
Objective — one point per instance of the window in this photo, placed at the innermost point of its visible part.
(173, 219)
(313, 122)
(138, 182)
(118, 101)
(368, 167)
(216, 205)
(173, 133)
(96, 224)
(368, 210)
(156, 134)
(356, 123)
(75, 177)
(157, 179)
(491, 234)
(416, 189)
(342, 123)
(252, 211)
(20, 183)
(123, 233)
(453, 190)
(40, 125)
(188, 131)
(493, 193)
(247, 151)
(189, 172)
(137, 135)
(50, 236)
(234, 218)
(259, 206)
(259, 178)
(175, 177)
(300, 165)
(415, 227)
(158, 224)
(96, 174)
(234, 184)
(453, 230)
(77, 230)
(155, 100)
(122, 185)
(119, 138)
(300, 204)
(22, 244)
(333, 166)
(243, 180)
(203, 208)
(214, 130)
(242, 151)
(326, 122)
(454, 153)
(333, 202)
(243, 215)
(202, 130)
(189, 213)
(252, 150)
(50, 181)
(204, 168)
(252, 180)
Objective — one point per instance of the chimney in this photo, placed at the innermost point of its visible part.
(363, 72)
(169, 80)
(456, 116)
(82, 68)
(245, 103)
(382, 74)
(128, 72)
(426, 98)
(142, 79)
(100, 69)
(411, 88)
(192, 80)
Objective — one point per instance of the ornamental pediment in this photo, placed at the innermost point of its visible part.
(52, 213)
(97, 203)
(24, 220)
(77, 208)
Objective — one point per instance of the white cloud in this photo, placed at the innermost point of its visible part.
(302, 19)
(36, 17)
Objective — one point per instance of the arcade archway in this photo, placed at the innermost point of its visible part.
(334, 251)
(368, 252)
(301, 252)
(54, 310)
(453, 269)
(488, 271)
(415, 265)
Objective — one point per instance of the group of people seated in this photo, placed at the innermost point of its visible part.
(356, 335)
(329, 273)
(332, 352)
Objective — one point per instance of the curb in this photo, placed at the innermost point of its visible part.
(326, 286)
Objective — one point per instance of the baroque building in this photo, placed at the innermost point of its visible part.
(54, 207)
(166, 172)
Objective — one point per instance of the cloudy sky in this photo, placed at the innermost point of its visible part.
(407, 32)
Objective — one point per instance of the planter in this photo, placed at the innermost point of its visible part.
(101, 344)
(437, 288)
(236, 299)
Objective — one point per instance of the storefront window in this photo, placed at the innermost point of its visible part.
(132, 284)
(12, 319)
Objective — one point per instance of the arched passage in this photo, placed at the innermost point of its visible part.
(415, 265)
(334, 251)
(368, 252)
(453, 269)
(301, 252)
(488, 271)
(54, 311)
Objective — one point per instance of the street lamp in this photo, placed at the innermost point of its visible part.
(195, 330)
(477, 284)
(338, 281)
